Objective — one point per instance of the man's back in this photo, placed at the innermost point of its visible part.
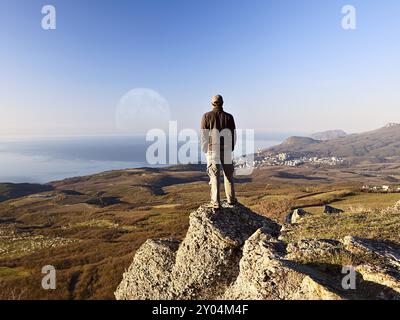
(218, 119)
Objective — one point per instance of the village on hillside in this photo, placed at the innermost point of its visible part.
(381, 189)
(287, 160)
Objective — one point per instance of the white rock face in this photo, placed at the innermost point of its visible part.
(149, 275)
(264, 275)
(208, 258)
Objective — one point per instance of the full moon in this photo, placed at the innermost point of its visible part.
(141, 110)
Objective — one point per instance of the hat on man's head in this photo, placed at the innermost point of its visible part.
(217, 101)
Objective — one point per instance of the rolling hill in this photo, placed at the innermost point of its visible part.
(379, 145)
(17, 190)
(90, 227)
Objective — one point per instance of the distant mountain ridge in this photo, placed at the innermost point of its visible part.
(379, 144)
(296, 141)
(328, 135)
(17, 190)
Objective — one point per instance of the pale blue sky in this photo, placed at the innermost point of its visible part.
(281, 65)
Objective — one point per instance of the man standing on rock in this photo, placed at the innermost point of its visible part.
(218, 138)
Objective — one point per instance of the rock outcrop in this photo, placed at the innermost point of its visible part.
(208, 258)
(204, 265)
(265, 274)
(387, 269)
(312, 250)
(234, 253)
(295, 216)
(332, 210)
(149, 275)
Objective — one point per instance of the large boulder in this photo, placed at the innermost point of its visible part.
(387, 277)
(387, 253)
(383, 267)
(265, 274)
(332, 210)
(296, 216)
(208, 258)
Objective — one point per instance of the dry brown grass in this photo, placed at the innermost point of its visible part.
(154, 205)
(371, 224)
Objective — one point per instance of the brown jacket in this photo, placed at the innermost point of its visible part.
(217, 120)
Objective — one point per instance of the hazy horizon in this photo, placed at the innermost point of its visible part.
(49, 159)
(258, 133)
(117, 67)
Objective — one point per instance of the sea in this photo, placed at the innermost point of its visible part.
(46, 159)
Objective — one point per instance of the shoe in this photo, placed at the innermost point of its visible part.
(215, 205)
(232, 203)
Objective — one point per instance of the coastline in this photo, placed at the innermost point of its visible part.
(44, 161)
